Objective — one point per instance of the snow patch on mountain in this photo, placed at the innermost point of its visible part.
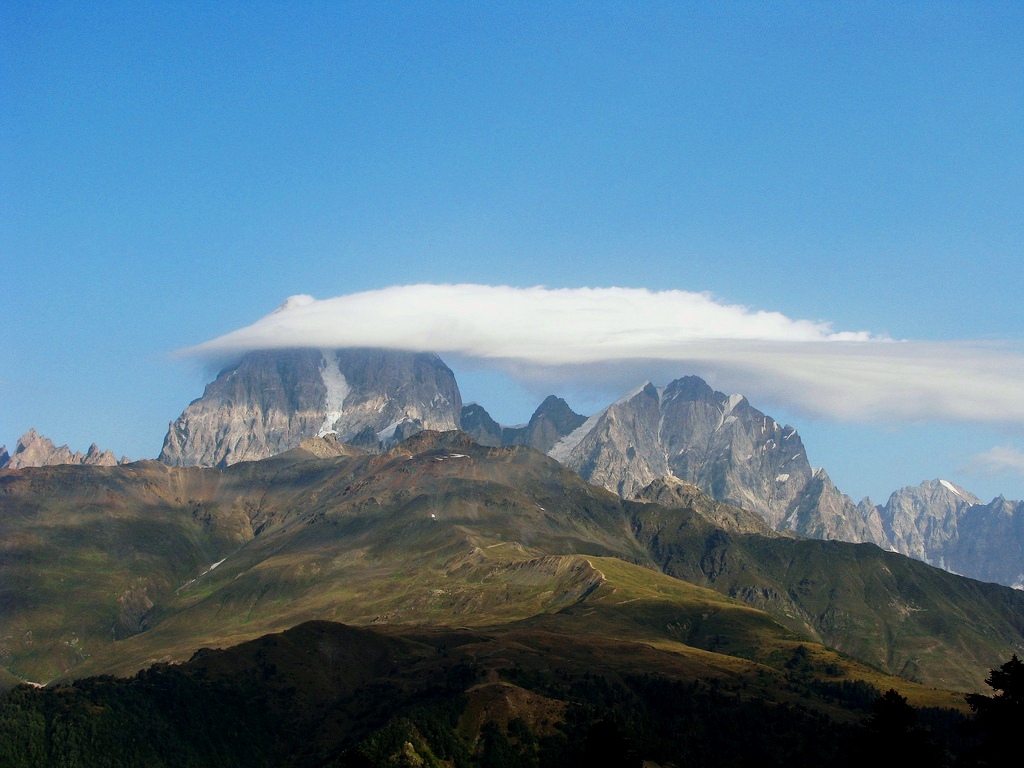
(560, 451)
(337, 391)
(949, 486)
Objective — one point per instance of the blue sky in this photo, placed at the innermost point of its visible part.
(172, 172)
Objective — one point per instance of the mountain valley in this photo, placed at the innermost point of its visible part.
(324, 508)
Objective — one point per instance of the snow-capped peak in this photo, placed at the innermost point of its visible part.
(949, 486)
(299, 300)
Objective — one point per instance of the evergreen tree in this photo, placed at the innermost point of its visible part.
(1000, 715)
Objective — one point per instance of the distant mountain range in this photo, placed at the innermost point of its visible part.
(271, 401)
(34, 450)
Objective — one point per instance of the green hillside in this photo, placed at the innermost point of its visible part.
(114, 569)
(890, 611)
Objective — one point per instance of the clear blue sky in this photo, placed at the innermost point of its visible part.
(170, 172)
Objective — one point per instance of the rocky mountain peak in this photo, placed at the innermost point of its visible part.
(476, 421)
(35, 450)
(721, 444)
(270, 401)
(921, 520)
(691, 388)
(551, 422)
(689, 431)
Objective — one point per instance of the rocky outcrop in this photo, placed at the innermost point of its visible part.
(676, 494)
(990, 543)
(35, 450)
(922, 521)
(721, 444)
(478, 424)
(944, 525)
(822, 511)
(552, 421)
(270, 401)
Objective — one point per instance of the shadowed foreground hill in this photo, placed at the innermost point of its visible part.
(324, 694)
(112, 569)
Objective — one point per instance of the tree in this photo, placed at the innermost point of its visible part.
(892, 738)
(1008, 703)
(891, 716)
(999, 716)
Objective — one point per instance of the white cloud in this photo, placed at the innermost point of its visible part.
(616, 336)
(575, 325)
(999, 460)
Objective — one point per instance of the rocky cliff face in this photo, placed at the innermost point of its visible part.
(552, 421)
(822, 511)
(675, 494)
(944, 525)
(921, 521)
(990, 543)
(478, 424)
(35, 450)
(721, 444)
(273, 400)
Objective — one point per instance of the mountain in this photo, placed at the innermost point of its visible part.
(990, 542)
(883, 608)
(721, 444)
(687, 432)
(943, 524)
(35, 450)
(921, 521)
(552, 421)
(271, 401)
(110, 569)
(478, 424)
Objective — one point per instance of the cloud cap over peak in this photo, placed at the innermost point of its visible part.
(536, 325)
(616, 336)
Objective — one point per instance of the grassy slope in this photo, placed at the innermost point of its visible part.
(893, 612)
(438, 531)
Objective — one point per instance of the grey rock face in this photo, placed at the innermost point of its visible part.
(822, 511)
(618, 448)
(675, 494)
(273, 400)
(990, 544)
(552, 421)
(944, 525)
(869, 512)
(718, 442)
(35, 450)
(921, 521)
(478, 424)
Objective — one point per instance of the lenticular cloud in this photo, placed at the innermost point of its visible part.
(615, 337)
(532, 325)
